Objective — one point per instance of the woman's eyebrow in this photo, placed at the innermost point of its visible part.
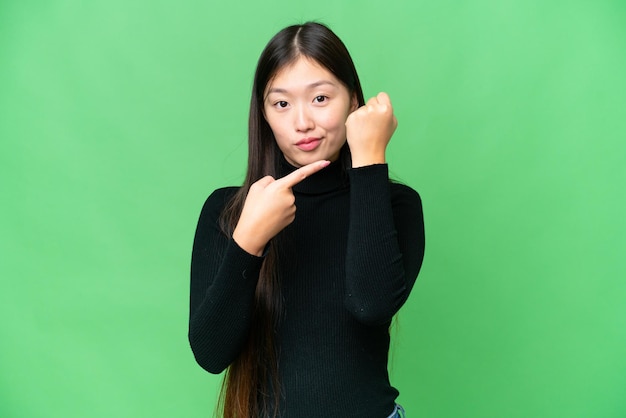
(320, 83)
(309, 87)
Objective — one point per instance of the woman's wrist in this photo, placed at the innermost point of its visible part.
(365, 160)
(248, 245)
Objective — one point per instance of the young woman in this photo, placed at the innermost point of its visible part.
(297, 274)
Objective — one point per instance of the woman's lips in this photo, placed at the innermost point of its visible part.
(308, 144)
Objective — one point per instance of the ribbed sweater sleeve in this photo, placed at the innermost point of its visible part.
(385, 244)
(223, 281)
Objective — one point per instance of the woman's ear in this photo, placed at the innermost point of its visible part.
(354, 103)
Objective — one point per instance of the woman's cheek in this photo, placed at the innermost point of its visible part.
(334, 120)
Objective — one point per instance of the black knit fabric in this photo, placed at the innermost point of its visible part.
(349, 262)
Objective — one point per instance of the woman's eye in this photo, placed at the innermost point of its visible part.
(281, 104)
(320, 99)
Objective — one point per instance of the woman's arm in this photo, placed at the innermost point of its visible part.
(225, 271)
(385, 244)
(223, 282)
(386, 232)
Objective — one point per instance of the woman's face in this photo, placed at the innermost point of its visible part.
(306, 107)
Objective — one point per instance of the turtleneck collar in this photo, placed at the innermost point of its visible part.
(327, 179)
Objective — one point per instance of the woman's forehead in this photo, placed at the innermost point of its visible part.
(302, 74)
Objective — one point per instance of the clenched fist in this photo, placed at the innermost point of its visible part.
(369, 130)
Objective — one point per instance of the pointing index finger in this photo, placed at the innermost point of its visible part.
(303, 172)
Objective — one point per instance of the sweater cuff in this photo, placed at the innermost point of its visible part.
(239, 263)
(369, 175)
(233, 249)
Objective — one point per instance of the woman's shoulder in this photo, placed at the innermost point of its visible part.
(217, 200)
(223, 194)
(405, 199)
(401, 190)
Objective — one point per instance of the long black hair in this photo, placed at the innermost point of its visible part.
(251, 387)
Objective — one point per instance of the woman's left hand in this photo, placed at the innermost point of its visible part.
(369, 130)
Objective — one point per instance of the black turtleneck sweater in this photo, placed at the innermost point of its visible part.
(350, 259)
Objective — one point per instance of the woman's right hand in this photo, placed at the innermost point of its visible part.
(269, 208)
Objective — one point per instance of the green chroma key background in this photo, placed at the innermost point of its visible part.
(118, 118)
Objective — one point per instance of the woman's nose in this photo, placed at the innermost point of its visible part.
(303, 119)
